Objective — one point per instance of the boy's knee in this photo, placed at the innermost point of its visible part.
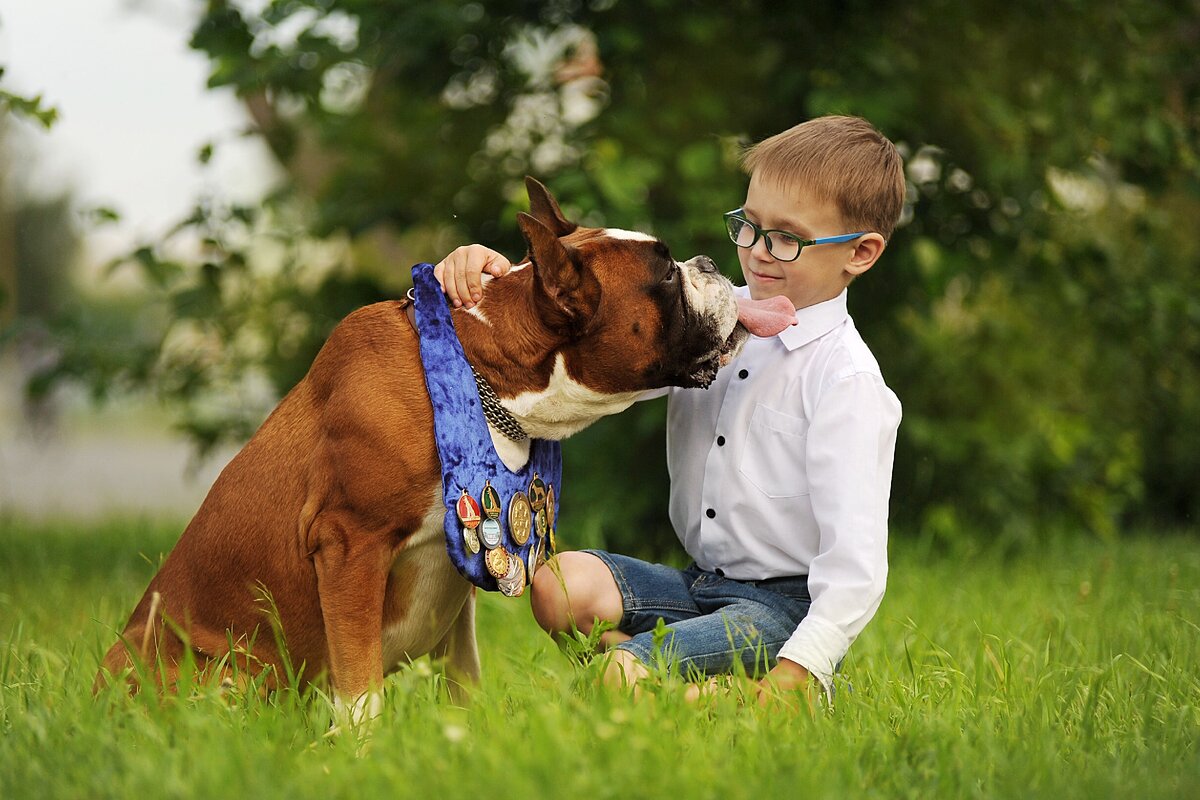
(548, 598)
(574, 589)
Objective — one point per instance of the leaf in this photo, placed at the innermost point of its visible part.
(103, 215)
(159, 273)
(29, 107)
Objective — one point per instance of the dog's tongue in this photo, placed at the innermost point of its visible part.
(766, 317)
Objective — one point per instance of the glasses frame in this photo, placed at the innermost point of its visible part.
(759, 233)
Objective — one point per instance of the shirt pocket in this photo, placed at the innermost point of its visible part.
(773, 458)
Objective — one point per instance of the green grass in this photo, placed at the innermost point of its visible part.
(1067, 672)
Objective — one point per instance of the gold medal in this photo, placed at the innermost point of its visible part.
(491, 501)
(490, 534)
(467, 510)
(551, 510)
(543, 526)
(471, 539)
(553, 543)
(520, 518)
(497, 562)
(537, 493)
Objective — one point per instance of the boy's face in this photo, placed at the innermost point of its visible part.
(821, 271)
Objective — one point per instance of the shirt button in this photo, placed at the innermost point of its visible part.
(720, 441)
(744, 374)
(712, 512)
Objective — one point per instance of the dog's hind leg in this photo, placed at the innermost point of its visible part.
(460, 653)
(145, 653)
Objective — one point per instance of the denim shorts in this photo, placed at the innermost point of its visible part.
(711, 624)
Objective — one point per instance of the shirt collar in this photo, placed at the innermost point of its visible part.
(812, 322)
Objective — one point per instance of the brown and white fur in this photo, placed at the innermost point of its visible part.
(332, 513)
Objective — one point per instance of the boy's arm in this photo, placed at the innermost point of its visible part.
(850, 447)
(461, 273)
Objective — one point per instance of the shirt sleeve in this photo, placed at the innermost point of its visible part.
(848, 460)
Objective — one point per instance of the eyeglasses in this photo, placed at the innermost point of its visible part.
(782, 246)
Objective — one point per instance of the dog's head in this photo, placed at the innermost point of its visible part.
(594, 318)
(632, 316)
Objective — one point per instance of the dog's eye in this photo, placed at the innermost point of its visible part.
(663, 252)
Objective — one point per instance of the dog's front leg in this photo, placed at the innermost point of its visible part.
(351, 566)
(461, 652)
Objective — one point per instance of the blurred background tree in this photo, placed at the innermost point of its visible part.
(1037, 313)
(17, 105)
(38, 241)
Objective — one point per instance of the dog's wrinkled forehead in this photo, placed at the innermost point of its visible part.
(699, 290)
(584, 238)
(617, 248)
(651, 256)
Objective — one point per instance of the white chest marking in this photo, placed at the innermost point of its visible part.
(514, 455)
(435, 595)
(564, 406)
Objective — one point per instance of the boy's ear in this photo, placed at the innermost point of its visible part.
(867, 250)
(567, 295)
(544, 208)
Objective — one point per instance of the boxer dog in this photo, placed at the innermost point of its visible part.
(320, 547)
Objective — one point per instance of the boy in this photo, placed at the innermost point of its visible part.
(781, 470)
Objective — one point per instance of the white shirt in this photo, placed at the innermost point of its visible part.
(784, 467)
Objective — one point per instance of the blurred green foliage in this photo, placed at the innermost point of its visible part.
(1037, 314)
(32, 108)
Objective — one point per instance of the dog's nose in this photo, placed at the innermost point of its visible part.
(703, 264)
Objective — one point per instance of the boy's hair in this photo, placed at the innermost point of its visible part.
(843, 160)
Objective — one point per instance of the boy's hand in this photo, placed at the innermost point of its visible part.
(461, 273)
(785, 676)
(786, 681)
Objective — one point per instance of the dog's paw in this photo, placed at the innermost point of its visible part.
(356, 716)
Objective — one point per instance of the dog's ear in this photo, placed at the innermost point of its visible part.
(567, 294)
(544, 208)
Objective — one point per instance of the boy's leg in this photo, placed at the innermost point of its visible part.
(740, 627)
(579, 589)
(575, 590)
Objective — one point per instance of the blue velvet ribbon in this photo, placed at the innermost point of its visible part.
(464, 444)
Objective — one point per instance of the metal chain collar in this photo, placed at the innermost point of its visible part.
(497, 415)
